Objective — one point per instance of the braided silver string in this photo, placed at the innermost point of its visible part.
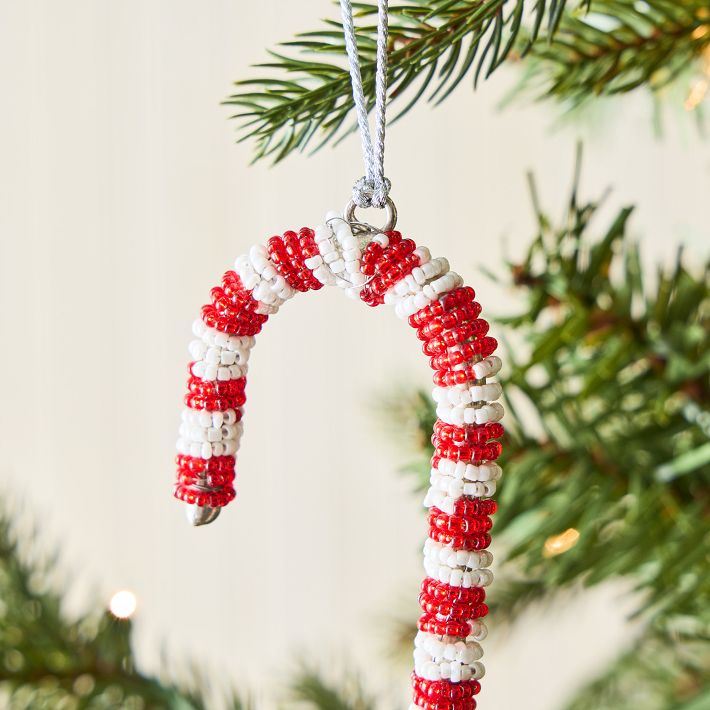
(372, 189)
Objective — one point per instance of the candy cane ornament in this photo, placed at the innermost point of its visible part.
(377, 267)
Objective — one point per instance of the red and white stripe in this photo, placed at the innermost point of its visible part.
(392, 270)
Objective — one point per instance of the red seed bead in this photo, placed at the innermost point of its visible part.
(447, 610)
(449, 378)
(196, 496)
(217, 403)
(287, 254)
(464, 453)
(431, 700)
(233, 296)
(467, 453)
(462, 314)
(216, 464)
(233, 310)
(435, 690)
(234, 288)
(306, 238)
(215, 472)
(466, 351)
(229, 324)
(471, 434)
(388, 274)
(460, 541)
(214, 480)
(457, 297)
(370, 257)
(445, 592)
(471, 507)
(285, 262)
(386, 266)
(458, 523)
(302, 246)
(424, 703)
(459, 334)
(432, 625)
(218, 388)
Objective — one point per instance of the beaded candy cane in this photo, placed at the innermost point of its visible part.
(382, 268)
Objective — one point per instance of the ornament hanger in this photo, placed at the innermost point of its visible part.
(371, 190)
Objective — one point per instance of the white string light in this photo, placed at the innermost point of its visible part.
(123, 604)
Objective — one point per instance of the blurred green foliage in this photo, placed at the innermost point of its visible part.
(310, 690)
(606, 455)
(49, 661)
(620, 45)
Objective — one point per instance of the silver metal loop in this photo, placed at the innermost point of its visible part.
(390, 216)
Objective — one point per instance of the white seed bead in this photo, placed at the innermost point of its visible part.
(447, 658)
(197, 349)
(227, 357)
(479, 630)
(259, 258)
(452, 395)
(487, 367)
(324, 275)
(458, 415)
(442, 554)
(443, 494)
(482, 472)
(423, 254)
(322, 234)
(488, 392)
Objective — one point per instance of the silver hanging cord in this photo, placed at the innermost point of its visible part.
(372, 190)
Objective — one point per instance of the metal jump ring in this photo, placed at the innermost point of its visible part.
(390, 214)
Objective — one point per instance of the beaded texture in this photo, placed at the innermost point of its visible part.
(392, 270)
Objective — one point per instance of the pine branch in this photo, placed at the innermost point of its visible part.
(433, 47)
(619, 46)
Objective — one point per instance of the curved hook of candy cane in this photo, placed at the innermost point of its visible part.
(381, 268)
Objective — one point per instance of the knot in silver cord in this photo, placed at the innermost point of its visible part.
(371, 193)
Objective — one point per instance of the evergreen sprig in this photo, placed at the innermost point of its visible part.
(433, 47)
(589, 48)
(618, 46)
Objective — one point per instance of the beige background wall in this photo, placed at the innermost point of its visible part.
(123, 198)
